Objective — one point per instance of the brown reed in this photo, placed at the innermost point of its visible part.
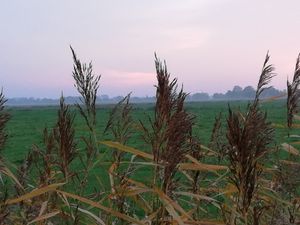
(249, 136)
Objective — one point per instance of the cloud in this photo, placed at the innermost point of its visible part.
(120, 78)
(115, 82)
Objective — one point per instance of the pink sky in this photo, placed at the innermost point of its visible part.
(209, 45)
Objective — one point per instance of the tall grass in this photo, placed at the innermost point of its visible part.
(4, 117)
(236, 180)
(249, 137)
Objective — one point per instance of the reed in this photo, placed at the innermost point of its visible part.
(293, 94)
(236, 180)
(4, 117)
(87, 84)
(249, 136)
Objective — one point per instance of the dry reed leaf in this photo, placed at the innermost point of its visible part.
(292, 163)
(43, 208)
(212, 152)
(112, 168)
(199, 197)
(207, 166)
(209, 189)
(190, 212)
(96, 218)
(135, 191)
(194, 160)
(294, 136)
(228, 190)
(99, 206)
(172, 212)
(187, 175)
(205, 222)
(150, 217)
(138, 184)
(44, 217)
(290, 149)
(267, 199)
(278, 125)
(34, 193)
(297, 117)
(295, 126)
(127, 149)
(266, 169)
(267, 195)
(7, 172)
(111, 177)
(201, 166)
(168, 201)
(65, 200)
(142, 203)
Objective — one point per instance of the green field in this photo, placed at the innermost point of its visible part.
(97, 178)
(25, 130)
(26, 125)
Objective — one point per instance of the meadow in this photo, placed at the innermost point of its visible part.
(26, 125)
(171, 162)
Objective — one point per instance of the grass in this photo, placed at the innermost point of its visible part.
(26, 125)
(165, 163)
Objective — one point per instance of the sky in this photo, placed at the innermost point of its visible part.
(209, 45)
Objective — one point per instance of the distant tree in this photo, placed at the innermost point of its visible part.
(235, 93)
(104, 97)
(218, 96)
(248, 92)
(229, 95)
(199, 97)
(117, 98)
(237, 89)
(271, 92)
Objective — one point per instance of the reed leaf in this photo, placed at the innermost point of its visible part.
(34, 193)
(99, 206)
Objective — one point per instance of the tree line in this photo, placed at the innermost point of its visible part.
(237, 93)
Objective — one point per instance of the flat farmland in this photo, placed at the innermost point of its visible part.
(26, 125)
(134, 177)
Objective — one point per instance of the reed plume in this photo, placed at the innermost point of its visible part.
(249, 136)
(44, 159)
(266, 75)
(64, 134)
(59, 149)
(87, 84)
(172, 125)
(178, 133)
(169, 135)
(4, 117)
(120, 125)
(165, 104)
(120, 121)
(293, 94)
(217, 140)
(170, 115)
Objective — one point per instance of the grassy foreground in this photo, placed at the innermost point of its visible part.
(167, 163)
